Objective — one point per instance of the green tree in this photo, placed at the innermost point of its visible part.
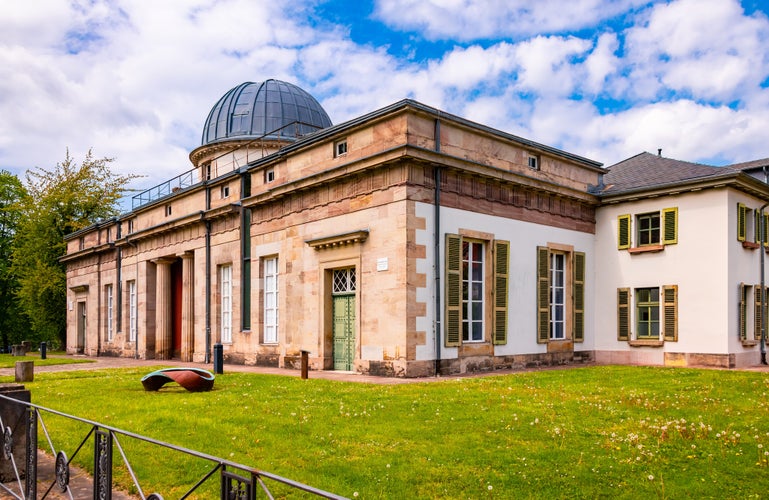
(58, 202)
(11, 317)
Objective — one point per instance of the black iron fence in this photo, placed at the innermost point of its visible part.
(19, 454)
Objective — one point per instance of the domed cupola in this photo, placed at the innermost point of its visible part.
(273, 111)
(269, 109)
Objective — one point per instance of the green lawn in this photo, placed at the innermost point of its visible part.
(9, 361)
(610, 432)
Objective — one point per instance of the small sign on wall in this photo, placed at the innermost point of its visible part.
(381, 264)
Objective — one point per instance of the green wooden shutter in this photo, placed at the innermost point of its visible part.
(670, 312)
(756, 312)
(579, 297)
(453, 290)
(670, 226)
(623, 314)
(501, 275)
(623, 236)
(756, 226)
(543, 295)
(742, 314)
(742, 211)
(766, 229)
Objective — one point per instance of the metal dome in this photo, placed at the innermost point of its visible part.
(272, 109)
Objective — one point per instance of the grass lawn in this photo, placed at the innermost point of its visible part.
(9, 361)
(608, 432)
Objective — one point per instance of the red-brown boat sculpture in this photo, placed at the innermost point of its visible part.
(192, 379)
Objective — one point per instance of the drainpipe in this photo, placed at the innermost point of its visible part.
(761, 240)
(208, 279)
(437, 252)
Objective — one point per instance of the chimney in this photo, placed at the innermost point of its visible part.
(659, 152)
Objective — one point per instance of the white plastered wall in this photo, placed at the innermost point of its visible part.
(524, 239)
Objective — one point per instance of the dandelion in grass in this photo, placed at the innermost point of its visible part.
(651, 477)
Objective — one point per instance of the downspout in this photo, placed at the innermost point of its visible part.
(208, 280)
(437, 251)
(762, 240)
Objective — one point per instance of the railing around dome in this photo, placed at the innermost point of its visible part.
(216, 167)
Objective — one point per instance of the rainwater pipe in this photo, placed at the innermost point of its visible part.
(437, 251)
(208, 279)
(762, 240)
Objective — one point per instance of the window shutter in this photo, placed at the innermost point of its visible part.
(742, 211)
(623, 237)
(501, 266)
(670, 312)
(623, 314)
(766, 229)
(743, 313)
(453, 290)
(670, 226)
(757, 309)
(579, 297)
(543, 295)
(756, 226)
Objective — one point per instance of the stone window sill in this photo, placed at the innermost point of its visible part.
(646, 249)
(750, 245)
(749, 343)
(646, 343)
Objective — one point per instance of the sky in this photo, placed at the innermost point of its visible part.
(604, 79)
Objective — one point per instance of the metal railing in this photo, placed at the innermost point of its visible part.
(219, 165)
(236, 481)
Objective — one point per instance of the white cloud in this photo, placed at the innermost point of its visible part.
(137, 82)
(707, 48)
(481, 19)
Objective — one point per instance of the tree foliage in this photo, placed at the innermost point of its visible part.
(11, 318)
(56, 203)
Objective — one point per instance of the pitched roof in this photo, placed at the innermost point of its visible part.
(646, 170)
(750, 165)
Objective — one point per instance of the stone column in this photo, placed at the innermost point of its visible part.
(188, 306)
(163, 321)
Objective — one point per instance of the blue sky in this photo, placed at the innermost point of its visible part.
(605, 79)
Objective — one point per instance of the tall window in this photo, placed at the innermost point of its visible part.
(110, 311)
(648, 312)
(225, 275)
(132, 311)
(557, 296)
(271, 300)
(472, 291)
(560, 294)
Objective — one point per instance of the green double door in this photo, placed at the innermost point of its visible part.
(344, 331)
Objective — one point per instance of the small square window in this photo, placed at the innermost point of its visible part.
(648, 229)
(269, 176)
(340, 148)
(534, 162)
(168, 210)
(225, 191)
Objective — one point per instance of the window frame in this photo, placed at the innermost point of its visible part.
(270, 309)
(110, 306)
(133, 311)
(653, 308)
(470, 302)
(556, 269)
(649, 233)
(340, 148)
(225, 303)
